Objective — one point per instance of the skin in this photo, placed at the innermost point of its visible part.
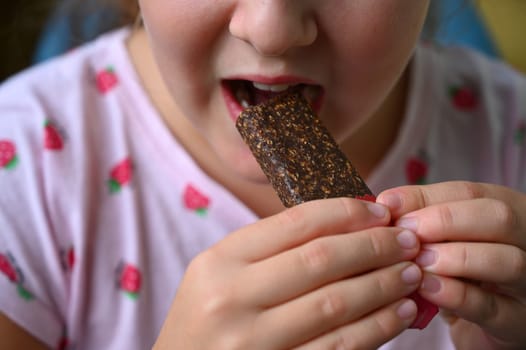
(229, 299)
(333, 273)
(366, 40)
(473, 257)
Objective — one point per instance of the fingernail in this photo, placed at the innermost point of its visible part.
(408, 223)
(407, 239)
(377, 210)
(426, 258)
(407, 310)
(392, 201)
(431, 284)
(411, 275)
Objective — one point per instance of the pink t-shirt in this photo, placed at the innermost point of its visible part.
(101, 209)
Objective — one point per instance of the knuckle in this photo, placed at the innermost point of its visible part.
(517, 266)
(342, 342)
(294, 216)
(490, 310)
(382, 285)
(383, 326)
(217, 302)
(464, 258)
(445, 216)
(421, 197)
(233, 341)
(202, 264)
(506, 216)
(460, 298)
(315, 256)
(332, 306)
(376, 244)
(472, 190)
(348, 206)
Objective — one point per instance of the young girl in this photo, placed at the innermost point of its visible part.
(133, 216)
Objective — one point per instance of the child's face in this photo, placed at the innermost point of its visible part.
(349, 54)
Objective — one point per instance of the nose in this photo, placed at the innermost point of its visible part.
(273, 27)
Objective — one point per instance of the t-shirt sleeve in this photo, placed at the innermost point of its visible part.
(519, 133)
(511, 90)
(33, 284)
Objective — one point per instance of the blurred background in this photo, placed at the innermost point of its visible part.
(34, 31)
(21, 22)
(496, 27)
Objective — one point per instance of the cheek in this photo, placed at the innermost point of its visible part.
(381, 31)
(182, 34)
(371, 54)
(172, 50)
(184, 45)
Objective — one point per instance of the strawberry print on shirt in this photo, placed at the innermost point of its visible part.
(107, 80)
(129, 280)
(416, 169)
(53, 137)
(63, 342)
(8, 156)
(10, 269)
(195, 200)
(463, 97)
(67, 258)
(121, 175)
(520, 133)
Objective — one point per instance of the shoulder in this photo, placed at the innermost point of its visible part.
(65, 96)
(476, 112)
(58, 118)
(471, 79)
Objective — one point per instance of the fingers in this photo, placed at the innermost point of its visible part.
(338, 304)
(486, 262)
(460, 211)
(402, 200)
(405, 199)
(300, 224)
(493, 312)
(371, 332)
(486, 220)
(325, 260)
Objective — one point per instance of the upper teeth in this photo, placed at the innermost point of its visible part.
(273, 87)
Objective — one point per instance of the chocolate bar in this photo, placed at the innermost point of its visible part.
(303, 162)
(297, 153)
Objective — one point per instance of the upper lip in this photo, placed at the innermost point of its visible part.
(274, 80)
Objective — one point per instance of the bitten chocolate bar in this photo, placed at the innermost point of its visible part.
(303, 161)
(300, 158)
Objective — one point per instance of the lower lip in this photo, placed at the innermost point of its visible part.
(235, 109)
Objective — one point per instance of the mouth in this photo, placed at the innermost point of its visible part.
(242, 94)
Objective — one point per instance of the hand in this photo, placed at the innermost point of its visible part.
(474, 257)
(321, 274)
